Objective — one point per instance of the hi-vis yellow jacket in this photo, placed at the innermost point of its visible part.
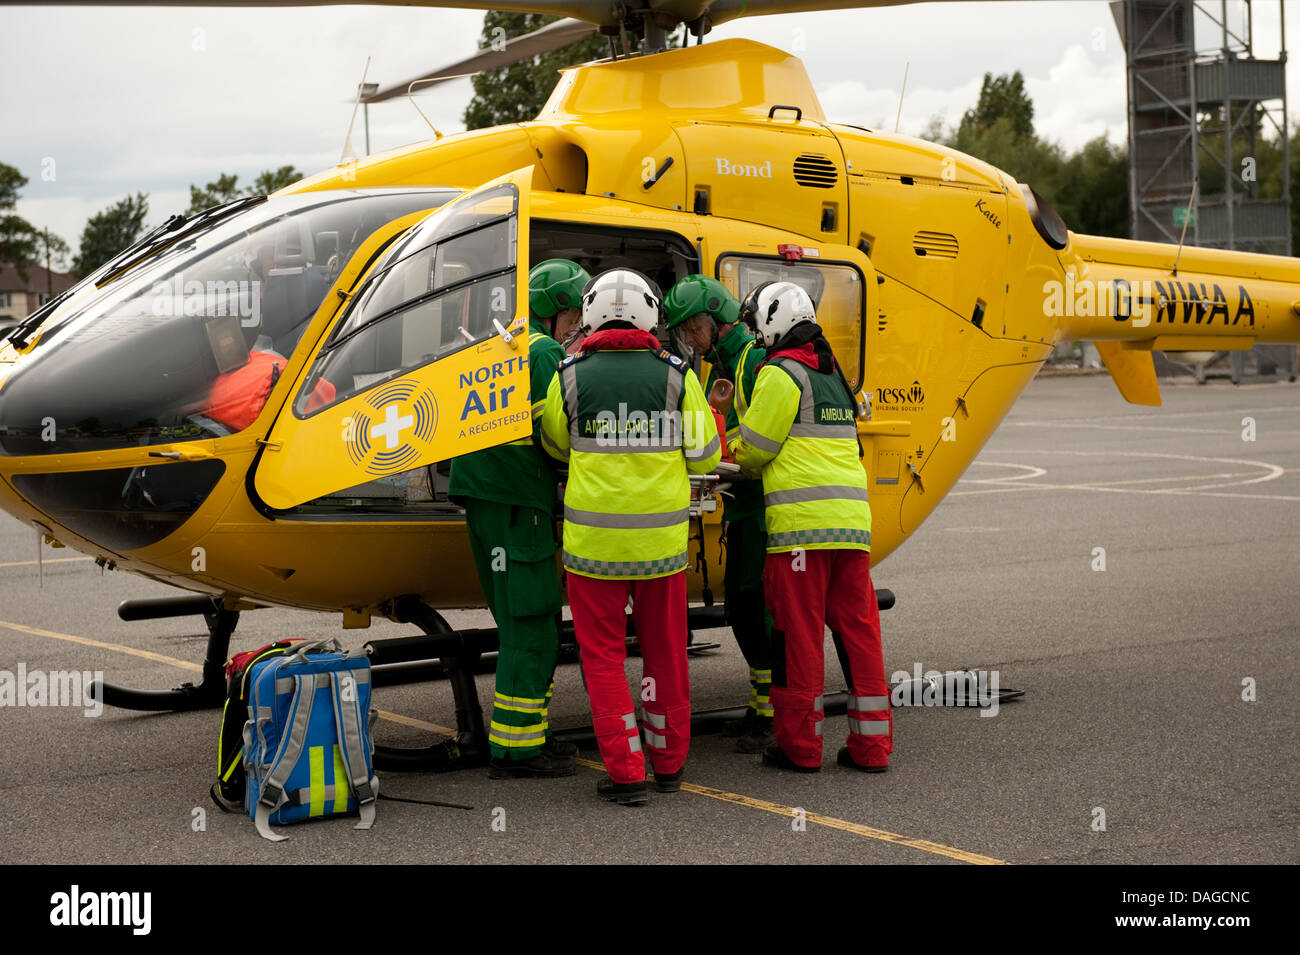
(631, 423)
(799, 431)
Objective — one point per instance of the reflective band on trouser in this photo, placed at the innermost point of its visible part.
(630, 521)
(823, 492)
(869, 727)
(633, 742)
(760, 684)
(655, 721)
(868, 703)
(502, 734)
(521, 704)
(760, 441)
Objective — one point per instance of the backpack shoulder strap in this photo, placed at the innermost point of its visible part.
(347, 721)
(272, 795)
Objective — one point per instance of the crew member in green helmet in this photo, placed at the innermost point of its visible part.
(509, 497)
(704, 317)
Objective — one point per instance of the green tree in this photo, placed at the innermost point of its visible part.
(1002, 97)
(273, 180)
(51, 252)
(517, 93)
(1089, 188)
(1092, 196)
(17, 236)
(214, 193)
(227, 187)
(109, 232)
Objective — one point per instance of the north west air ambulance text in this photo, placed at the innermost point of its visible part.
(485, 396)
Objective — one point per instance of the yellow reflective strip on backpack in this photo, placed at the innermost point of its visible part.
(316, 756)
(342, 787)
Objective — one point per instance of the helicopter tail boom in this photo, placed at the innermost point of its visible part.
(1147, 296)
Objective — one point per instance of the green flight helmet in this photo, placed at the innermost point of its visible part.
(699, 293)
(555, 285)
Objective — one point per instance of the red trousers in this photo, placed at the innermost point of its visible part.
(600, 622)
(806, 590)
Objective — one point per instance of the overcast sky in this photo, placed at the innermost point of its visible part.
(151, 100)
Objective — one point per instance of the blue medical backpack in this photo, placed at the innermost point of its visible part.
(307, 744)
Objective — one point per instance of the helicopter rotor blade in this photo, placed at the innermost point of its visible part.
(600, 13)
(553, 36)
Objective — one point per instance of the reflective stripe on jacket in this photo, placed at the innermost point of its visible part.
(631, 424)
(799, 430)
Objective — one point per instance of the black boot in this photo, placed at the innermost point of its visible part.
(774, 755)
(542, 766)
(555, 747)
(759, 736)
(625, 794)
(844, 759)
(734, 728)
(668, 782)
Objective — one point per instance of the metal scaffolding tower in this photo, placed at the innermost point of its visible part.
(1199, 102)
(1182, 95)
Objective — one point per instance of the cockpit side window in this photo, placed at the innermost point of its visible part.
(189, 343)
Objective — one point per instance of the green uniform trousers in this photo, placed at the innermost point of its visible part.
(746, 610)
(514, 553)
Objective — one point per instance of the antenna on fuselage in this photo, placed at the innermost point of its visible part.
(1187, 217)
(899, 115)
(350, 154)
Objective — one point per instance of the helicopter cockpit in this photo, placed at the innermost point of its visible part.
(186, 343)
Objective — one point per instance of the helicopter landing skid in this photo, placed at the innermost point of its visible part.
(469, 748)
(211, 690)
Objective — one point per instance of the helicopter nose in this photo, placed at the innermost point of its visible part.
(109, 387)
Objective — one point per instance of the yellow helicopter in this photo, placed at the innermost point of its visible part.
(259, 403)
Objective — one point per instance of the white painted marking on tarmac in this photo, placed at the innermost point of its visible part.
(1029, 469)
(1271, 472)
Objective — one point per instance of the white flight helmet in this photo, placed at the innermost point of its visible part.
(620, 295)
(773, 308)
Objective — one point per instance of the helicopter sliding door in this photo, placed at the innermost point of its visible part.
(425, 362)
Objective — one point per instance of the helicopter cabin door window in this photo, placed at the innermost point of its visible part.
(837, 290)
(425, 362)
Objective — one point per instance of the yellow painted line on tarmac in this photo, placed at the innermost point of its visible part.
(187, 665)
(830, 822)
(53, 560)
(412, 721)
(103, 645)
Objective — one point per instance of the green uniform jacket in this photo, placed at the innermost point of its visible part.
(515, 473)
(800, 431)
(740, 354)
(631, 423)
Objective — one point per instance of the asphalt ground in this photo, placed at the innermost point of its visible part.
(1133, 677)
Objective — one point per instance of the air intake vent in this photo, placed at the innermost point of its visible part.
(816, 171)
(940, 245)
